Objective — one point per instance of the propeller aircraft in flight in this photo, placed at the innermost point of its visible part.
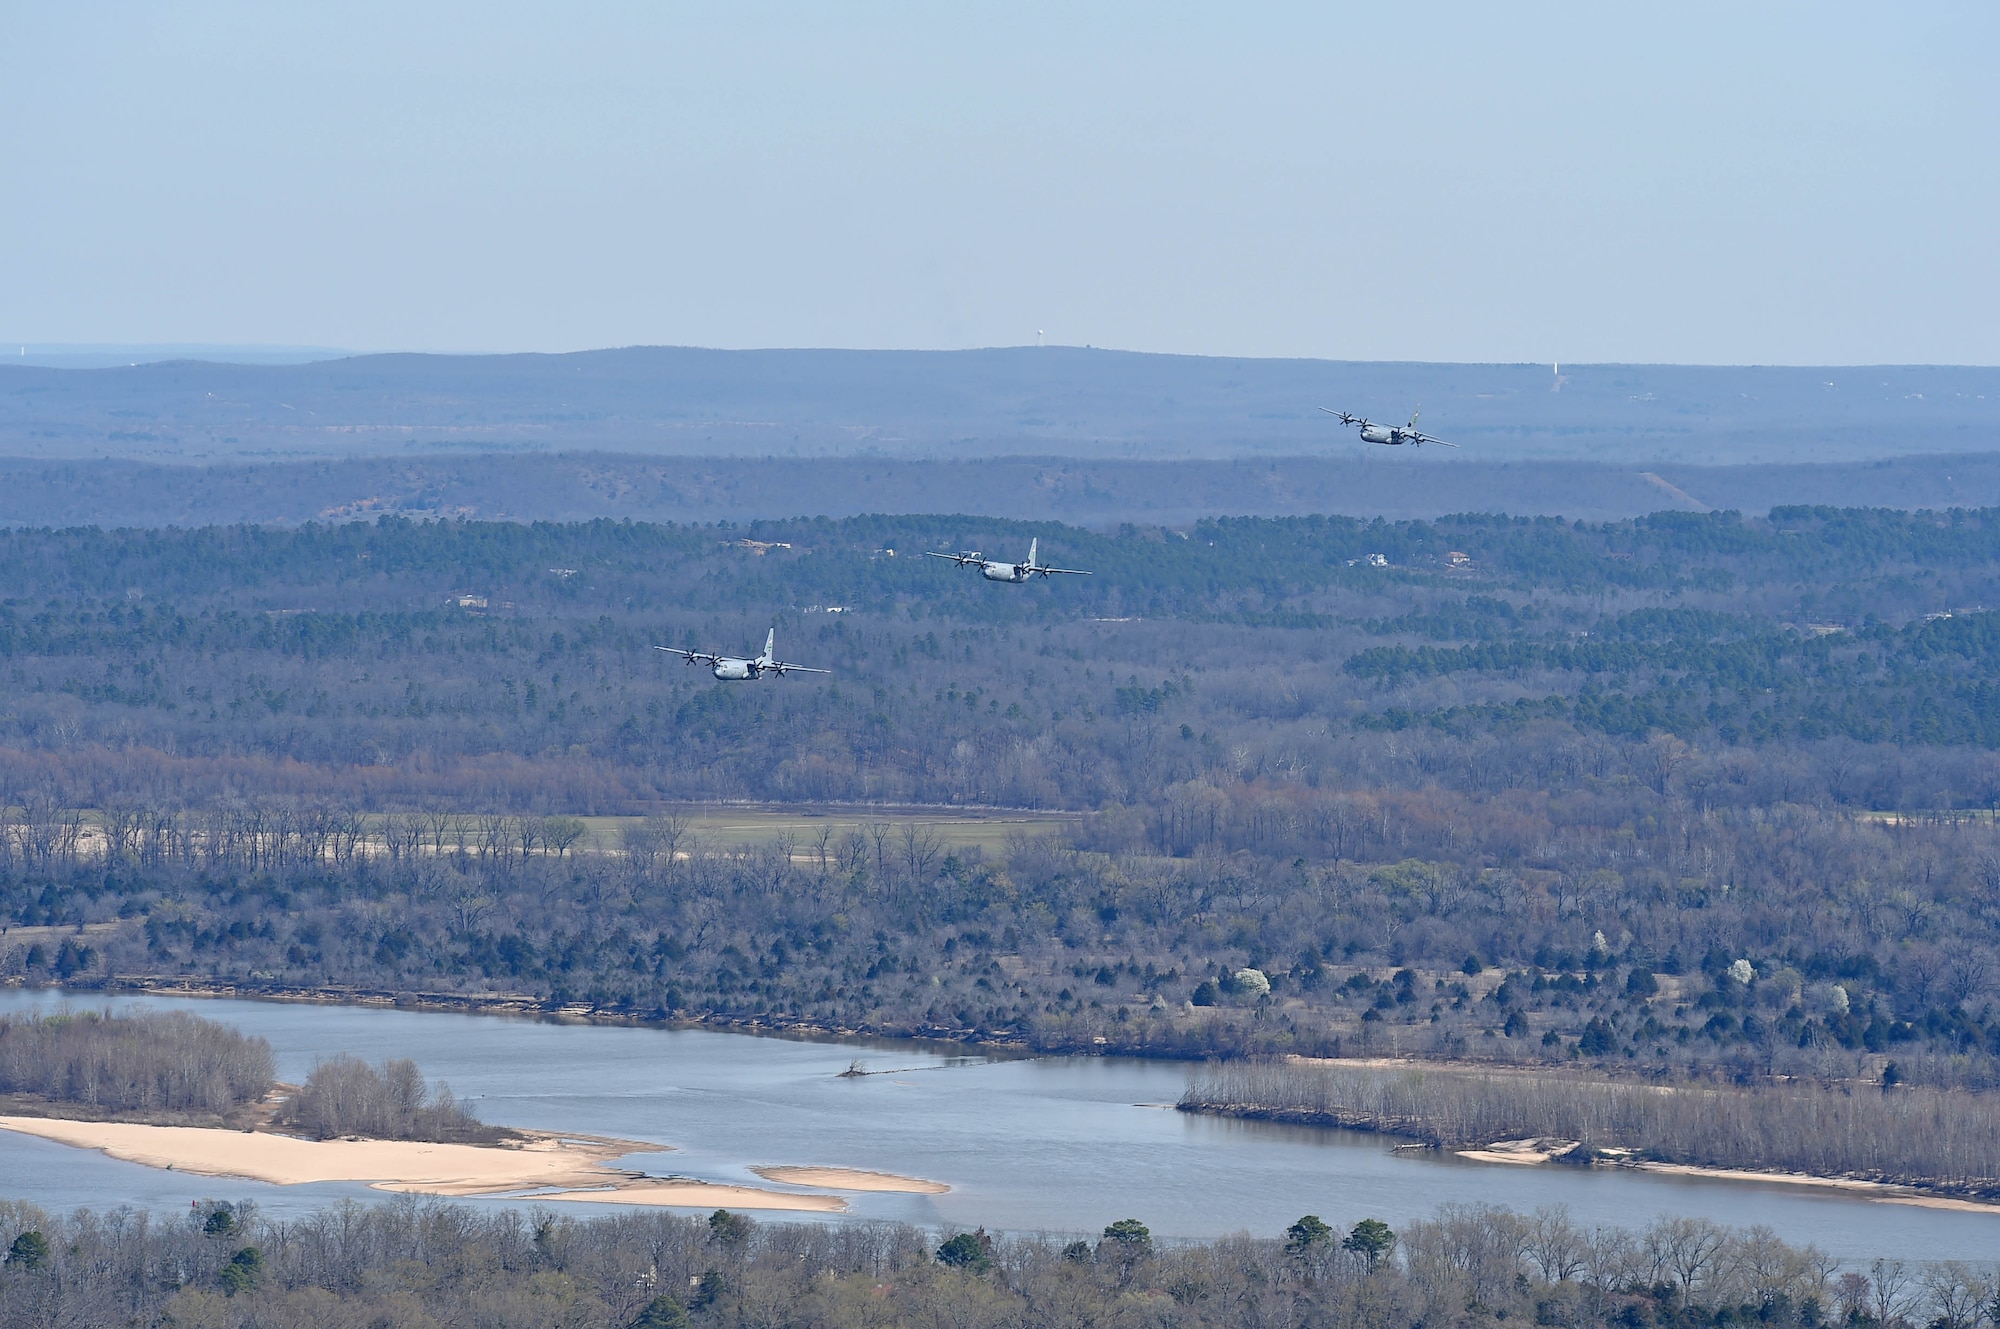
(1013, 573)
(731, 669)
(1391, 435)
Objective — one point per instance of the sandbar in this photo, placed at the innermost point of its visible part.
(536, 1160)
(680, 1192)
(1939, 1202)
(1882, 1192)
(850, 1179)
(1518, 1151)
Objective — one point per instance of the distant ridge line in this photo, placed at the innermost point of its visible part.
(1018, 401)
(581, 486)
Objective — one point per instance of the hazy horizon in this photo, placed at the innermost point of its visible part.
(111, 355)
(1793, 185)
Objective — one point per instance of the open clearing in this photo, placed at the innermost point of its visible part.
(1932, 817)
(720, 826)
(731, 826)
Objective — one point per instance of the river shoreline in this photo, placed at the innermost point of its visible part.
(1028, 1145)
(521, 1006)
(530, 1165)
(1511, 1153)
(531, 1160)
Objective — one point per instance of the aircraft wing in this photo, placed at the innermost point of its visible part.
(780, 668)
(1344, 417)
(961, 558)
(692, 657)
(1067, 572)
(1426, 438)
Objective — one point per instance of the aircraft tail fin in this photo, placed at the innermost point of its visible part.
(771, 644)
(1032, 546)
(1414, 414)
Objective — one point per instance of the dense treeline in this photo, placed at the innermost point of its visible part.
(1838, 549)
(1620, 927)
(295, 757)
(404, 647)
(1942, 1139)
(416, 1263)
(346, 1096)
(1926, 682)
(144, 1063)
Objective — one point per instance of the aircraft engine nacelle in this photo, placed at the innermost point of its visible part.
(1378, 434)
(734, 671)
(1001, 572)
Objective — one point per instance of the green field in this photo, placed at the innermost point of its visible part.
(714, 826)
(732, 826)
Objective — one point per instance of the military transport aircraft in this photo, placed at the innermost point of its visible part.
(1015, 573)
(730, 669)
(1392, 435)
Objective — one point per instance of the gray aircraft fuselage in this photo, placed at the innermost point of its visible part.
(1390, 435)
(737, 669)
(1012, 574)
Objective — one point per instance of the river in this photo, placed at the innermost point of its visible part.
(1062, 1144)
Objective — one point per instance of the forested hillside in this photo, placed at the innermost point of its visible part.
(1687, 791)
(367, 645)
(584, 486)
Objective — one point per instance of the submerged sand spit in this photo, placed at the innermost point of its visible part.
(679, 1192)
(850, 1179)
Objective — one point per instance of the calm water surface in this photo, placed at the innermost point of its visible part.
(1050, 1144)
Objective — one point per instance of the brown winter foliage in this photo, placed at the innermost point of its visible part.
(419, 1263)
(1936, 1138)
(346, 1096)
(140, 1063)
(1689, 796)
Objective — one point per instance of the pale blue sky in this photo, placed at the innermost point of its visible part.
(1773, 183)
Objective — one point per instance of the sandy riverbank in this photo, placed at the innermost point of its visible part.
(1537, 1151)
(1882, 1192)
(550, 1166)
(850, 1179)
(535, 1160)
(1518, 1151)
